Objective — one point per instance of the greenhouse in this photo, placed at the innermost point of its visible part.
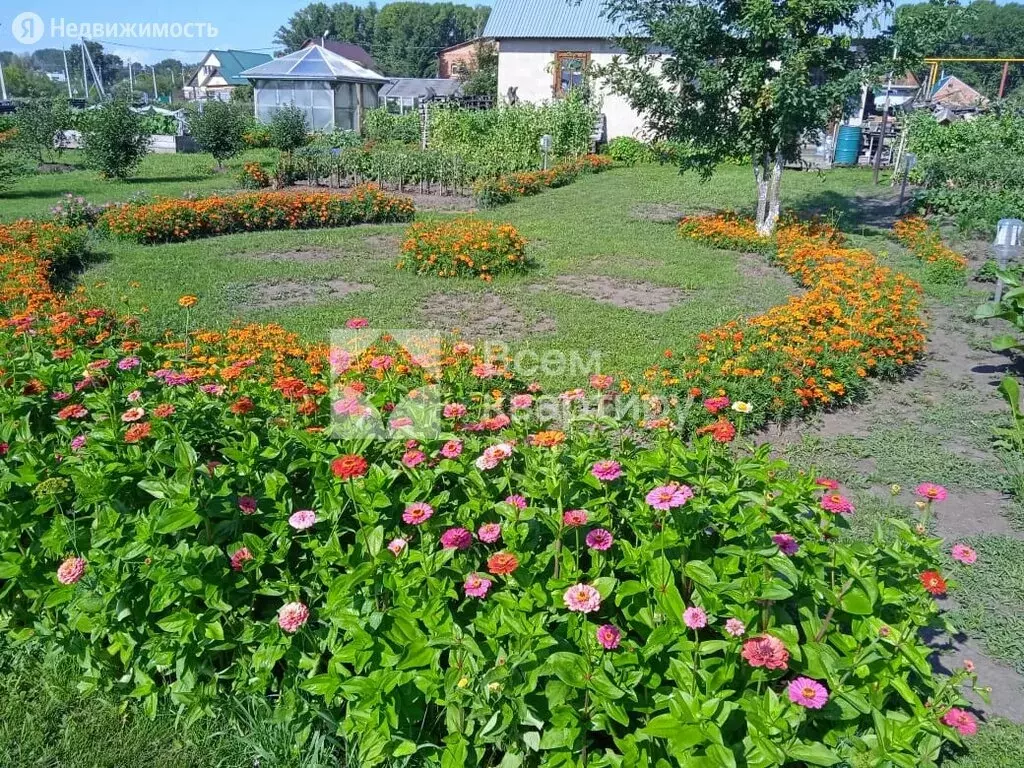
(333, 91)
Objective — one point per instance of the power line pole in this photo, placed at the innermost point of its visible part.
(3, 84)
(131, 81)
(67, 72)
(85, 79)
(156, 96)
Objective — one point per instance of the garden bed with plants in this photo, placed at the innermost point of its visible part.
(200, 515)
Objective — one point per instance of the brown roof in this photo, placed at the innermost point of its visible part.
(350, 51)
(457, 46)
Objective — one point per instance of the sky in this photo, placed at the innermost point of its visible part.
(244, 24)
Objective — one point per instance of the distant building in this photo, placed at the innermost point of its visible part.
(333, 91)
(57, 77)
(220, 72)
(953, 93)
(546, 48)
(404, 93)
(349, 51)
(454, 59)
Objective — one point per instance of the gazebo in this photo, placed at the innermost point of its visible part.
(333, 91)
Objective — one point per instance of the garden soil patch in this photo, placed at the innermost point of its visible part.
(295, 293)
(659, 213)
(481, 316)
(626, 294)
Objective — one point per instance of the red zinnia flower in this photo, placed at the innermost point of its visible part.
(933, 582)
(242, 406)
(722, 431)
(502, 563)
(137, 432)
(349, 466)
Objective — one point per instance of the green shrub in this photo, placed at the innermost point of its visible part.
(40, 127)
(115, 140)
(219, 129)
(288, 129)
(384, 126)
(629, 151)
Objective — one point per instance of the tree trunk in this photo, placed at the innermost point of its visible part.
(769, 189)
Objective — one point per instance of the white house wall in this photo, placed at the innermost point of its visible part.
(528, 65)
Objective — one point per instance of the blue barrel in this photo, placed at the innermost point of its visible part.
(848, 144)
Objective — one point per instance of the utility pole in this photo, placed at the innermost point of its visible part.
(156, 96)
(85, 79)
(131, 81)
(3, 84)
(67, 72)
(885, 120)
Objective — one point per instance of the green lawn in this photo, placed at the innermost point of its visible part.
(169, 175)
(597, 228)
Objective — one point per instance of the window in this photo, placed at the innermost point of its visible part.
(570, 71)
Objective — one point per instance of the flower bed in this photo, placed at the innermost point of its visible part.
(943, 265)
(494, 192)
(464, 247)
(857, 319)
(179, 514)
(176, 220)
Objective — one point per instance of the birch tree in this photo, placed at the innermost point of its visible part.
(749, 79)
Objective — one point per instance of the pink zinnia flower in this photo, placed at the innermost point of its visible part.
(521, 402)
(695, 618)
(452, 449)
(489, 532)
(574, 518)
(494, 455)
(715, 404)
(606, 470)
(417, 513)
(127, 363)
(77, 443)
(601, 381)
(665, 497)
(599, 539)
(456, 538)
(71, 570)
(240, 558)
(476, 585)
(340, 361)
(356, 322)
(400, 422)
(827, 482)
(964, 554)
(766, 651)
(582, 598)
(247, 504)
(213, 389)
(931, 492)
(134, 396)
(808, 693)
(837, 503)
(291, 617)
(397, 546)
(133, 414)
(787, 544)
(735, 627)
(961, 720)
(517, 501)
(609, 636)
(413, 458)
(454, 411)
(303, 519)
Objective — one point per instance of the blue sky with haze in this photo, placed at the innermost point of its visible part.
(245, 24)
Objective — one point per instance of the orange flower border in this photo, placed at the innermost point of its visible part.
(924, 241)
(175, 220)
(857, 319)
(491, 193)
(464, 247)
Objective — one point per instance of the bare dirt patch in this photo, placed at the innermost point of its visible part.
(481, 316)
(293, 293)
(637, 295)
(659, 213)
(754, 266)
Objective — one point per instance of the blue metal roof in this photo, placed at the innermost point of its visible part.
(550, 18)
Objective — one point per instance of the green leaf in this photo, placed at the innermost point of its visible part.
(815, 754)
(177, 519)
(857, 602)
(1004, 342)
(570, 668)
(701, 573)
(325, 685)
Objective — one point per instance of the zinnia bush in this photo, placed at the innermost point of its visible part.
(188, 562)
(463, 247)
(174, 220)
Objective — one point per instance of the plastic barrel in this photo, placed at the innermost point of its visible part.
(848, 144)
